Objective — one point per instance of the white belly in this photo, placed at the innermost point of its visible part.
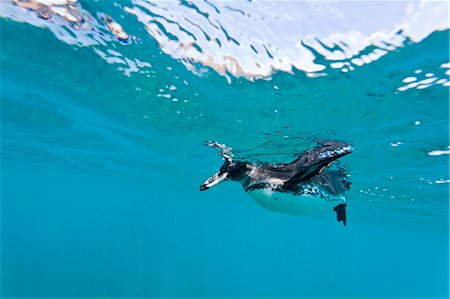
(297, 205)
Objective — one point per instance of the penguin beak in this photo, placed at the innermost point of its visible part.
(214, 180)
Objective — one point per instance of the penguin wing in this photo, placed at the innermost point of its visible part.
(305, 173)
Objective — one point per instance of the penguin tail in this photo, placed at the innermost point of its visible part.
(341, 214)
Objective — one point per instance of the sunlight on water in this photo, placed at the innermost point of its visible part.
(247, 41)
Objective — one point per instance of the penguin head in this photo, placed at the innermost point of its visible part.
(230, 170)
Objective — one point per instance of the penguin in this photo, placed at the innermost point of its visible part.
(307, 185)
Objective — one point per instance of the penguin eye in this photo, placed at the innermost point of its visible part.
(233, 166)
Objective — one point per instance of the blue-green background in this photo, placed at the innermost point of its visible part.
(100, 201)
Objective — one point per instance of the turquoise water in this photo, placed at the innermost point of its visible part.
(101, 174)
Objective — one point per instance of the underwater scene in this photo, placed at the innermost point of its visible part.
(224, 149)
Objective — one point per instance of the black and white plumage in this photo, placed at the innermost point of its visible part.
(305, 186)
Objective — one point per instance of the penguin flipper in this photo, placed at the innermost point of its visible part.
(308, 172)
(311, 162)
(225, 151)
(341, 214)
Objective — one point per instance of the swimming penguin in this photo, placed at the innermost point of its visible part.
(305, 186)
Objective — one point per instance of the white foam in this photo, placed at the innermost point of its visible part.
(438, 153)
(442, 181)
(409, 79)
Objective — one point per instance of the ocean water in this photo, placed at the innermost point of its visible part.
(103, 148)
